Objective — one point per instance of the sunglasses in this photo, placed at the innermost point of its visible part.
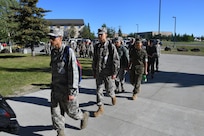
(53, 37)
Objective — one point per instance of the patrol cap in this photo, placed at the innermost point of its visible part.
(102, 30)
(88, 40)
(55, 32)
(118, 39)
(138, 41)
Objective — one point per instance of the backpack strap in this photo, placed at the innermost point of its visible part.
(66, 54)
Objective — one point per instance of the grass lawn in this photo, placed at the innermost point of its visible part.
(22, 73)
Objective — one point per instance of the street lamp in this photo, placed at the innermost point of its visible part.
(159, 17)
(137, 29)
(174, 29)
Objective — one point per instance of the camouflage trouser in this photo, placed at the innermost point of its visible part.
(120, 78)
(60, 105)
(136, 78)
(109, 86)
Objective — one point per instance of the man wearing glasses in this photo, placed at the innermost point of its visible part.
(64, 84)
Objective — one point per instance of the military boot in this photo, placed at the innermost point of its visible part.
(122, 88)
(60, 132)
(134, 97)
(99, 111)
(84, 121)
(114, 100)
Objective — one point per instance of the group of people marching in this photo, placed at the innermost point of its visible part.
(111, 60)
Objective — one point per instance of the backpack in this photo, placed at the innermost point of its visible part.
(124, 58)
(66, 53)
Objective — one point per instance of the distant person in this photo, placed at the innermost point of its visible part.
(47, 48)
(157, 56)
(152, 52)
(105, 66)
(64, 93)
(1, 47)
(90, 48)
(137, 66)
(131, 43)
(124, 60)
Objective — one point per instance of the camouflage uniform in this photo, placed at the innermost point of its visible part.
(124, 60)
(105, 64)
(64, 83)
(137, 58)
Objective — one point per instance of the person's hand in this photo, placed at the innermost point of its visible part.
(71, 97)
(113, 76)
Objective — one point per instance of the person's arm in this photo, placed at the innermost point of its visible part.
(73, 73)
(116, 61)
(145, 63)
(94, 61)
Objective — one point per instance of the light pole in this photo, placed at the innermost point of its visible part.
(174, 30)
(137, 29)
(159, 17)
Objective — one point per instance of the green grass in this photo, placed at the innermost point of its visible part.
(19, 72)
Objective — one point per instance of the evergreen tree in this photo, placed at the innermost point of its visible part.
(33, 27)
(5, 23)
(120, 32)
(86, 32)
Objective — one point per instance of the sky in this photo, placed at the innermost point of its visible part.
(132, 15)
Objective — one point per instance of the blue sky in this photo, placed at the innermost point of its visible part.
(126, 14)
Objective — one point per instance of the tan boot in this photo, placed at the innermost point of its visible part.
(134, 97)
(60, 132)
(99, 111)
(113, 100)
(84, 121)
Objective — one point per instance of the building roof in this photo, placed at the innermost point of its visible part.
(66, 22)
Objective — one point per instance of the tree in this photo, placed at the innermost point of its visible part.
(111, 32)
(72, 32)
(86, 32)
(5, 23)
(33, 27)
(120, 32)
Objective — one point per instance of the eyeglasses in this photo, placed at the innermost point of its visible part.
(53, 37)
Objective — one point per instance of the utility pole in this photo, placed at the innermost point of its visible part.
(174, 30)
(159, 17)
(137, 30)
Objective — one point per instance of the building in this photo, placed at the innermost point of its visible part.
(151, 34)
(66, 25)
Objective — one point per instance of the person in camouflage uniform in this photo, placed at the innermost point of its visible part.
(137, 66)
(123, 53)
(64, 84)
(105, 66)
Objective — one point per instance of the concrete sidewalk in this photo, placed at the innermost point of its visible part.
(171, 104)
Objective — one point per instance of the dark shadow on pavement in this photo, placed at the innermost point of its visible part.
(31, 100)
(87, 91)
(32, 130)
(182, 79)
